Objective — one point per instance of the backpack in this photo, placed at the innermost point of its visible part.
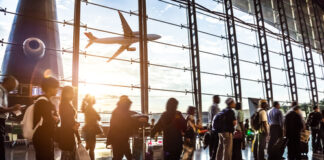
(313, 122)
(219, 121)
(255, 120)
(28, 121)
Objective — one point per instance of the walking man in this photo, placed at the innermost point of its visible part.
(9, 84)
(293, 126)
(214, 109)
(225, 148)
(261, 132)
(313, 121)
(275, 119)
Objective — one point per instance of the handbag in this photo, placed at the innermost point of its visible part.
(81, 153)
(238, 135)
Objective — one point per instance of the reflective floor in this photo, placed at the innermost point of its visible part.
(21, 152)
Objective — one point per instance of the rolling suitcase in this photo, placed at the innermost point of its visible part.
(278, 148)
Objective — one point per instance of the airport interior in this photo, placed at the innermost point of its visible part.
(152, 50)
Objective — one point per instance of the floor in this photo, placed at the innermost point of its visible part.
(22, 152)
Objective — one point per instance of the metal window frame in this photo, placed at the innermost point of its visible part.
(232, 41)
(264, 50)
(288, 50)
(308, 52)
(194, 53)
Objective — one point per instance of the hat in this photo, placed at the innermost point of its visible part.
(229, 101)
(262, 101)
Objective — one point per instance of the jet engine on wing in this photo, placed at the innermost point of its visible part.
(34, 47)
(131, 49)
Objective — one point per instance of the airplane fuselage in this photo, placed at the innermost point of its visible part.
(125, 40)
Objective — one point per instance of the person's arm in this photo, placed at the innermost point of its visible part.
(158, 127)
(264, 121)
(10, 109)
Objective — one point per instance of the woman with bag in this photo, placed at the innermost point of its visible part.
(122, 127)
(46, 117)
(91, 127)
(69, 126)
(238, 136)
(173, 125)
(190, 135)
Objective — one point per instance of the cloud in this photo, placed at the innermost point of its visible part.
(166, 8)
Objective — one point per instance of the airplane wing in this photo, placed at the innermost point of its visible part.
(127, 30)
(118, 52)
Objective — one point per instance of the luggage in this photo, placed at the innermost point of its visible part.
(28, 120)
(304, 149)
(82, 153)
(255, 120)
(278, 148)
(219, 121)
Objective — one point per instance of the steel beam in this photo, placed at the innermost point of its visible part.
(194, 52)
(308, 52)
(143, 55)
(263, 50)
(288, 50)
(232, 41)
(319, 29)
(76, 49)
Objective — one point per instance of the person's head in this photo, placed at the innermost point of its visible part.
(297, 109)
(216, 99)
(67, 93)
(172, 105)
(152, 121)
(238, 106)
(124, 103)
(316, 109)
(247, 120)
(294, 103)
(263, 104)
(230, 103)
(50, 86)
(276, 104)
(10, 83)
(191, 110)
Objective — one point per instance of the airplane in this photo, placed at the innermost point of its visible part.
(125, 41)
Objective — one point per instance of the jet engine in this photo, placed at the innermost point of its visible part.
(34, 47)
(131, 49)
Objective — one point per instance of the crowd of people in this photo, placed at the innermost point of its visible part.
(226, 137)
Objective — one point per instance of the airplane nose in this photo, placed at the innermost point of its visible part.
(157, 36)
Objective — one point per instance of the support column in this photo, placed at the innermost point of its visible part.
(194, 52)
(308, 52)
(232, 40)
(76, 48)
(288, 50)
(264, 50)
(143, 55)
(319, 28)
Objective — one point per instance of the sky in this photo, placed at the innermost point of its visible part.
(96, 70)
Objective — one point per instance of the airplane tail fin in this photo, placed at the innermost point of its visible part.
(91, 38)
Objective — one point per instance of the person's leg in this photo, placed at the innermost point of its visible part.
(91, 143)
(262, 145)
(227, 146)
(220, 149)
(274, 136)
(127, 151)
(237, 153)
(117, 154)
(255, 146)
(2, 139)
(318, 140)
(211, 145)
(313, 139)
